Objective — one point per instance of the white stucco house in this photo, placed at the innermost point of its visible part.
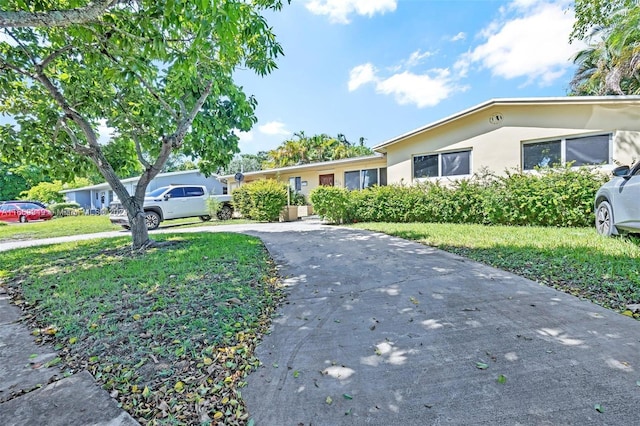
(497, 135)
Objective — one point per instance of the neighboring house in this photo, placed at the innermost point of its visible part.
(497, 135)
(352, 173)
(95, 197)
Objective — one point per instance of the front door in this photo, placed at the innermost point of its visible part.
(326, 180)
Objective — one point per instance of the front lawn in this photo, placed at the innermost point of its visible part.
(574, 260)
(77, 225)
(56, 227)
(169, 333)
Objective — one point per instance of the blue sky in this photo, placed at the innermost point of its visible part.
(380, 68)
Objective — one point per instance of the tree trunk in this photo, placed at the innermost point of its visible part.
(139, 232)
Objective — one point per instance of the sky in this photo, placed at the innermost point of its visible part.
(380, 68)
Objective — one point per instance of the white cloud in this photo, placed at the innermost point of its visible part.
(245, 136)
(423, 90)
(416, 58)
(274, 128)
(339, 10)
(530, 40)
(360, 75)
(459, 36)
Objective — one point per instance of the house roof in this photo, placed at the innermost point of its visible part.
(105, 185)
(573, 100)
(322, 164)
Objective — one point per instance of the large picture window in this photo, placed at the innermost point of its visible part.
(456, 163)
(578, 151)
(366, 178)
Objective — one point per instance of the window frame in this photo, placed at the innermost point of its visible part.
(439, 154)
(563, 148)
(361, 180)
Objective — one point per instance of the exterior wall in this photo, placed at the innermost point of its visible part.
(499, 146)
(310, 176)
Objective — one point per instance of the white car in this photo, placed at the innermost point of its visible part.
(174, 202)
(617, 202)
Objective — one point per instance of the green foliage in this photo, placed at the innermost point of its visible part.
(332, 203)
(312, 149)
(550, 197)
(47, 192)
(14, 180)
(213, 206)
(296, 198)
(261, 200)
(609, 64)
(595, 13)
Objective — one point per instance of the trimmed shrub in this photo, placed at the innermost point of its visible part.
(261, 200)
(332, 203)
(550, 197)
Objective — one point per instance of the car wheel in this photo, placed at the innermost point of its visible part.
(23, 219)
(225, 212)
(152, 220)
(604, 219)
(206, 218)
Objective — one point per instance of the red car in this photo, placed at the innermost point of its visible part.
(23, 212)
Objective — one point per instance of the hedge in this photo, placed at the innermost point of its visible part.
(550, 197)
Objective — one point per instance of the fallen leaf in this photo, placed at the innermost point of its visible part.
(347, 396)
(296, 374)
(414, 300)
(482, 365)
(73, 340)
(599, 408)
(136, 317)
(502, 379)
(218, 415)
(179, 387)
(328, 400)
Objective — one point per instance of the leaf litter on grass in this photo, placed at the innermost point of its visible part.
(169, 334)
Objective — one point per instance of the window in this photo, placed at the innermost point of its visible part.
(295, 183)
(541, 154)
(176, 193)
(579, 151)
(193, 191)
(361, 179)
(456, 163)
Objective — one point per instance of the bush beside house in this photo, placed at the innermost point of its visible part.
(551, 197)
(261, 200)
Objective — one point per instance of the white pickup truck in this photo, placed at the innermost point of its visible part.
(174, 202)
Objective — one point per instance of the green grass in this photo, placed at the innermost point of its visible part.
(76, 225)
(574, 260)
(163, 331)
(57, 227)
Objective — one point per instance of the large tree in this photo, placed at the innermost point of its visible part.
(157, 72)
(611, 62)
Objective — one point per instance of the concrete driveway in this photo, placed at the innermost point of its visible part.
(379, 331)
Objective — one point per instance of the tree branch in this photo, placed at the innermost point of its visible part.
(56, 18)
(54, 55)
(141, 158)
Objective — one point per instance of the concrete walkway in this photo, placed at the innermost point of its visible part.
(378, 330)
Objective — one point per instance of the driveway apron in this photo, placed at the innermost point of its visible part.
(377, 330)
